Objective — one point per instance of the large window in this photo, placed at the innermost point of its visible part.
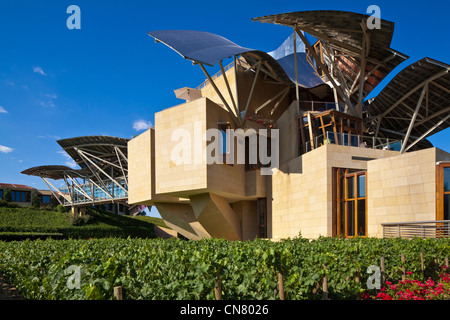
(45, 199)
(443, 192)
(1, 194)
(20, 196)
(443, 198)
(349, 203)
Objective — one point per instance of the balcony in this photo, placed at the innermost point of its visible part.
(352, 140)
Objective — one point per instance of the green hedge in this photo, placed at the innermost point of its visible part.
(175, 269)
(101, 224)
(18, 236)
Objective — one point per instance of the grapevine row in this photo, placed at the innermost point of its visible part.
(176, 269)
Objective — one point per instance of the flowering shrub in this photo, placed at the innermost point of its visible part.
(412, 289)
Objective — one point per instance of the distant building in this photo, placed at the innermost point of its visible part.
(22, 194)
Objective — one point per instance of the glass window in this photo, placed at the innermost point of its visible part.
(350, 218)
(447, 179)
(1, 194)
(45, 199)
(361, 186)
(349, 199)
(350, 188)
(225, 140)
(361, 217)
(342, 219)
(446, 207)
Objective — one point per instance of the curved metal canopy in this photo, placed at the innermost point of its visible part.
(199, 46)
(355, 46)
(208, 48)
(415, 103)
(103, 175)
(102, 147)
(54, 172)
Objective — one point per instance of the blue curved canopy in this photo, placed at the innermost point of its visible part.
(199, 46)
(208, 48)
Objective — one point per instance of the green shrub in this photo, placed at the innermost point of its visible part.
(79, 220)
(35, 201)
(20, 236)
(93, 224)
(7, 195)
(7, 204)
(61, 208)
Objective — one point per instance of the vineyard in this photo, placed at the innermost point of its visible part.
(177, 269)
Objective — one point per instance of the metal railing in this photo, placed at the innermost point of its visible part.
(352, 140)
(321, 106)
(422, 229)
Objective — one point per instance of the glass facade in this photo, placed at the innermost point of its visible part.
(88, 192)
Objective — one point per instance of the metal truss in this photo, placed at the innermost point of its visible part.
(103, 177)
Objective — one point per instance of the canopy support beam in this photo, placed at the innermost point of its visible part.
(325, 69)
(219, 94)
(428, 132)
(413, 119)
(251, 93)
(297, 93)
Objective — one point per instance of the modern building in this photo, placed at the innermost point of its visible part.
(23, 195)
(332, 162)
(281, 143)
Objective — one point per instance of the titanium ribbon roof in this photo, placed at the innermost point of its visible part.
(199, 46)
(208, 48)
(394, 106)
(344, 31)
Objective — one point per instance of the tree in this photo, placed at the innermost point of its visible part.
(35, 201)
(7, 195)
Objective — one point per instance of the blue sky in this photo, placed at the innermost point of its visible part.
(100, 80)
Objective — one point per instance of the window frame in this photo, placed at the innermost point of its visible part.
(26, 196)
(227, 125)
(341, 201)
(440, 192)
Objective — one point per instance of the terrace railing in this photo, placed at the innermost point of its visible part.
(352, 140)
(422, 229)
